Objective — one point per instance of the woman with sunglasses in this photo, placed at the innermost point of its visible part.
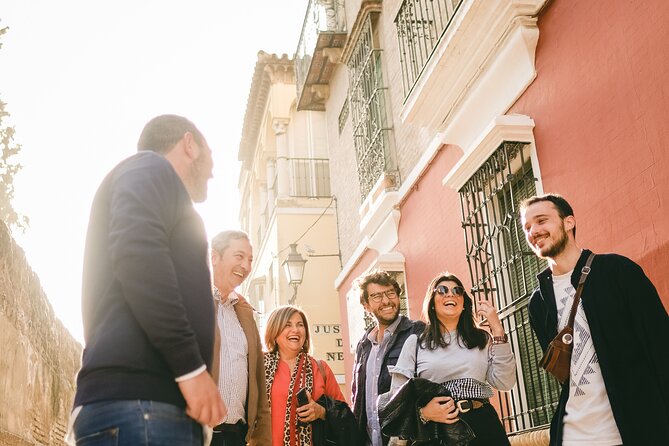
(468, 360)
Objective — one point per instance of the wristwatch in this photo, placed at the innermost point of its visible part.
(500, 339)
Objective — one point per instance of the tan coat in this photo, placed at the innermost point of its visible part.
(257, 408)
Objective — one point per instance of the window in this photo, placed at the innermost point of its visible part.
(368, 109)
(504, 269)
(309, 177)
(420, 25)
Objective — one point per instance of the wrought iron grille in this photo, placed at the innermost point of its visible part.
(504, 269)
(368, 110)
(343, 114)
(420, 25)
(309, 177)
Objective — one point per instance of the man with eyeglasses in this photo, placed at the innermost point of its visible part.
(379, 348)
(618, 387)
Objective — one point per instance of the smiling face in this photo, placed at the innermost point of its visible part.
(546, 232)
(232, 265)
(293, 336)
(387, 309)
(450, 305)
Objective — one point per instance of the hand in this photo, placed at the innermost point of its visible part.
(311, 411)
(487, 310)
(203, 402)
(441, 409)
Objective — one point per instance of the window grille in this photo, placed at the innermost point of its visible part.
(420, 25)
(343, 114)
(503, 269)
(368, 110)
(309, 177)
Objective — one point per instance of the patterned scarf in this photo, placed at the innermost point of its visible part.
(305, 379)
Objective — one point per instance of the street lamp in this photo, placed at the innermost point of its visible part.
(294, 269)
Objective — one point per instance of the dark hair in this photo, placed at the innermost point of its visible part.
(432, 337)
(563, 207)
(162, 132)
(378, 277)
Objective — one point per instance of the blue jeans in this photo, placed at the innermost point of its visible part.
(135, 423)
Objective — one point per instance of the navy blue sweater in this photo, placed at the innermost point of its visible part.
(146, 297)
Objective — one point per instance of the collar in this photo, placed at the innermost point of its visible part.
(547, 274)
(390, 330)
(233, 298)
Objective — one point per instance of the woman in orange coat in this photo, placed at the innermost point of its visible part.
(288, 368)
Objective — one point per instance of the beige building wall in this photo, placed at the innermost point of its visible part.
(285, 189)
(39, 359)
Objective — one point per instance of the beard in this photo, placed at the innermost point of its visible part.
(199, 179)
(555, 248)
(387, 321)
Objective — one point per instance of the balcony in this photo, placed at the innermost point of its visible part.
(323, 36)
(420, 25)
(309, 177)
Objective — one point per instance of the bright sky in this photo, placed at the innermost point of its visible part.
(82, 77)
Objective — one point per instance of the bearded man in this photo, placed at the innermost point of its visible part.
(619, 355)
(147, 304)
(377, 349)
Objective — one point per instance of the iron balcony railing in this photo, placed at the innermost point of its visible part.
(324, 27)
(420, 26)
(309, 177)
(369, 119)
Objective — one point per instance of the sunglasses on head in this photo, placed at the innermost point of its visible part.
(443, 290)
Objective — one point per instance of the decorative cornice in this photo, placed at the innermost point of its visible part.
(367, 7)
(270, 69)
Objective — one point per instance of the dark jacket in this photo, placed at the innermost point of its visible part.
(405, 328)
(629, 328)
(339, 427)
(147, 304)
(399, 415)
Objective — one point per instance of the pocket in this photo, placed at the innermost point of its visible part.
(108, 437)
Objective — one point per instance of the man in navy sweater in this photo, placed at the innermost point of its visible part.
(147, 301)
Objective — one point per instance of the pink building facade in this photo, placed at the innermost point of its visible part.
(483, 104)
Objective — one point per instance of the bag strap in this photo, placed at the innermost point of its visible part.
(577, 297)
(415, 364)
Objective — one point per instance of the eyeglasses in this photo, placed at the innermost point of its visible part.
(443, 290)
(378, 297)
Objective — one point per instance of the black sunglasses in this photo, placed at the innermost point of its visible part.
(443, 290)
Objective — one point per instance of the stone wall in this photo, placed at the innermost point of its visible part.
(38, 357)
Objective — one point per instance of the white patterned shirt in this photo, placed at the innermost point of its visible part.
(234, 369)
(588, 419)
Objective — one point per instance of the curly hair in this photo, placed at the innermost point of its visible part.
(378, 277)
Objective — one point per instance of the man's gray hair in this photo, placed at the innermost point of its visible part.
(221, 241)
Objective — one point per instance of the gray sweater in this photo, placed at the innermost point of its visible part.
(494, 365)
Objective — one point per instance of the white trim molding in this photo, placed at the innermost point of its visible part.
(475, 43)
(517, 128)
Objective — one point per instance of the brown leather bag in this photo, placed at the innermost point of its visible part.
(557, 359)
